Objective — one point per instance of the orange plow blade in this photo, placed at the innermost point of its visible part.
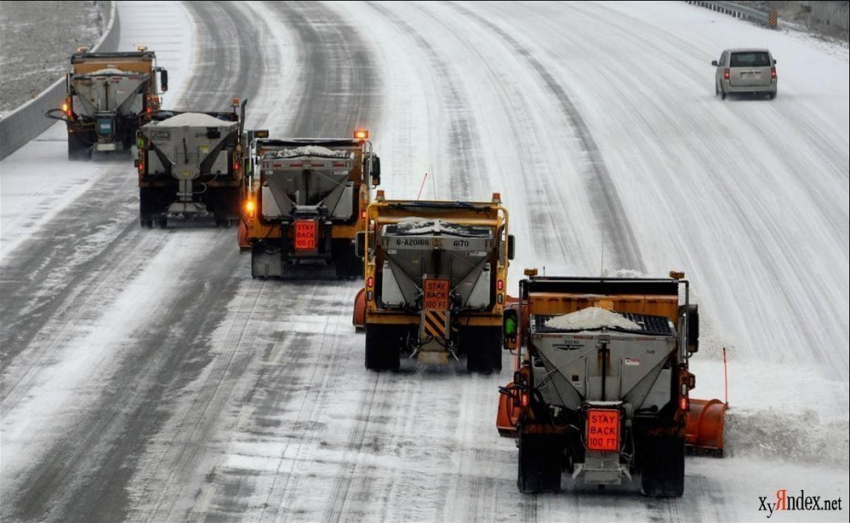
(359, 319)
(506, 418)
(242, 236)
(704, 430)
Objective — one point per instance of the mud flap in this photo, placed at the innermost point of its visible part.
(663, 467)
(265, 264)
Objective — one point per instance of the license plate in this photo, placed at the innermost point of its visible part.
(603, 429)
(305, 235)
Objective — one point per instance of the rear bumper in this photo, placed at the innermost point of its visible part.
(750, 88)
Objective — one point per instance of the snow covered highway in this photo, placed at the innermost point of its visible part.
(147, 377)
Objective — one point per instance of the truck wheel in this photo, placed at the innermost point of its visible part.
(483, 349)
(663, 467)
(540, 458)
(382, 347)
(348, 265)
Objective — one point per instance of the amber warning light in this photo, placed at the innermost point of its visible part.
(361, 134)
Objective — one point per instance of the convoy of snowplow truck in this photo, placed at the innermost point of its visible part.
(108, 97)
(601, 383)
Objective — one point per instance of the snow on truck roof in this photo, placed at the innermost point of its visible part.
(310, 150)
(193, 120)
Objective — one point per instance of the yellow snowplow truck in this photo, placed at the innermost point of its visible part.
(108, 97)
(305, 200)
(435, 276)
(190, 167)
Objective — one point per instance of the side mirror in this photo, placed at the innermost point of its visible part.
(509, 328)
(163, 80)
(774, 62)
(714, 63)
(693, 326)
(360, 243)
(511, 248)
(68, 82)
(375, 174)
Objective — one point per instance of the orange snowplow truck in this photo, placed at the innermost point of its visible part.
(602, 387)
(435, 282)
(109, 96)
(305, 200)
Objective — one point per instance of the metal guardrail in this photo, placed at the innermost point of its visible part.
(28, 121)
(765, 17)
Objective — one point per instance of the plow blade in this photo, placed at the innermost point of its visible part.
(242, 236)
(359, 319)
(704, 430)
(506, 417)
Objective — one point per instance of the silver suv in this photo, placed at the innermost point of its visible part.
(745, 71)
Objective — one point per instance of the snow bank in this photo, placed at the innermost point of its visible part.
(193, 120)
(788, 435)
(311, 150)
(592, 318)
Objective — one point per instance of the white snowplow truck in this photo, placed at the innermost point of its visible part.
(190, 167)
(601, 389)
(109, 96)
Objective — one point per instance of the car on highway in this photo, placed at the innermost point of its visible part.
(751, 71)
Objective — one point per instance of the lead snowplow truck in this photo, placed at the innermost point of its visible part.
(602, 388)
(434, 282)
(305, 200)
(108, 97)
(190, 166)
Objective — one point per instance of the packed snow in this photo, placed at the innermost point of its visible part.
(193, 120)
(592, 318)
(111, 71)
(311, 150)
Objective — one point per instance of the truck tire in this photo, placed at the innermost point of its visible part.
(382, 347)
(483, 349)
(347, 264)
(540, 458)
(663, 467)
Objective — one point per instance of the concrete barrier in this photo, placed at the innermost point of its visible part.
(28, 121)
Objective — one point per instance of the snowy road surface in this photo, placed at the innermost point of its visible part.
(147, 377)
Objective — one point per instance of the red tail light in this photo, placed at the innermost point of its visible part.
(141, 168)
(500, 285)
(524, 399)
(370, 282)
(683, 403)
(362, 215)
(726, 74)
(773, 72)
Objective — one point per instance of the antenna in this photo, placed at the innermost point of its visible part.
(422, 186)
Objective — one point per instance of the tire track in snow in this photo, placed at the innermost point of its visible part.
(611, 213)
(98, 458)
(463, 143)
(339, 77)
